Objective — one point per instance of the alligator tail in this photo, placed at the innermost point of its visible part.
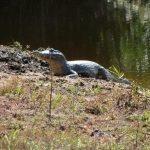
(105, 74)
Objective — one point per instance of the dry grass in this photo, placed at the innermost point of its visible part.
(86, 114)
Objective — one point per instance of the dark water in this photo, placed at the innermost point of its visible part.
(105, 31)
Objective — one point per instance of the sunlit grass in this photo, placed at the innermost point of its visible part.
(84, 116)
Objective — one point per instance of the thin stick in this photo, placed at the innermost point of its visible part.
(51, 93)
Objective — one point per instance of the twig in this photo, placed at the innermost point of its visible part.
(51, 93)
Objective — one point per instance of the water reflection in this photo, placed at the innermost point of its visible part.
(110, 32)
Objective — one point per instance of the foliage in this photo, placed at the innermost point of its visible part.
(19, 46)
(116, 71)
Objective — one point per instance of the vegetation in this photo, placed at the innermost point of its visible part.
(98, 115)
(116, 71)
(19, 46)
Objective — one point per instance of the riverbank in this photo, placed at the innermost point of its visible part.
(86, 113)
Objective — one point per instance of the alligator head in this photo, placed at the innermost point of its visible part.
(55, 58)
(50, 55)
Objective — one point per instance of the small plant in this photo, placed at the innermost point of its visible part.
(145, 118)
(11, 139)
(73, 90)
(116, 71)
(147, 98)
(147, 93)
(10, 87)
(96, 110)
(95, 90)
(19, 46)
(57, 100)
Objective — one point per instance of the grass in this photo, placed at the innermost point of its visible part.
(86, 114)
(19, 46)
(116, 71)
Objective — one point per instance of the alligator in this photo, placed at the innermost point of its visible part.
(83, 68)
